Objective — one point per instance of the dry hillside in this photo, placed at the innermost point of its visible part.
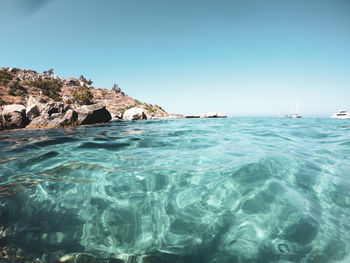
(17, 86)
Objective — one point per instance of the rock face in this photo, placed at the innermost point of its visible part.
(135, 114)
(14, 117)
(90, 114)
(58, 114)
(55, 107)
(32, 112)
(45, 121)
(13, 107)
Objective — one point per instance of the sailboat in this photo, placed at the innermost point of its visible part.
(295, 115)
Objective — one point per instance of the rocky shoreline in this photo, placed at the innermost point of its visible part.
(33, 100)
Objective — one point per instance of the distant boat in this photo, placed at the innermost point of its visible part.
(341, 114)
(295, 115)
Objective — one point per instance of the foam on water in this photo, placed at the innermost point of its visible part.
(209, 190)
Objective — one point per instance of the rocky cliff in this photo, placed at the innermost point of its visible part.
(43, 100)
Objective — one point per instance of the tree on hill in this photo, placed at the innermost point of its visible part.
(48, 72)
(116, 88)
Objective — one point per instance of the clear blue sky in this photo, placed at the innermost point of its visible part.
(239, 57)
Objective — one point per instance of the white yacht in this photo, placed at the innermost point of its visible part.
(295, 115)
(341, 114)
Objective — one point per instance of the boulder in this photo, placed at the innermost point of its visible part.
(211, 114)
(1, 125)
(55, 107)
(13, 107)
(221, 116)
(90, 114)
(117, 116)
(14, 117)
(38, 100)
(45, 121)
(32, 112)
(135, 114)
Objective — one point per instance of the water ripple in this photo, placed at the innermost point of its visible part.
(207, 190)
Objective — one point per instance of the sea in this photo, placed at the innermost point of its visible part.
(181, 190)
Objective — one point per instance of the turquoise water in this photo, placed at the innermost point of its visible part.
(206, 190)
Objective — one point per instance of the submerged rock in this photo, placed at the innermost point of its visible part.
(91, 114)
(135, 114)
(14, 116)
(119, 258)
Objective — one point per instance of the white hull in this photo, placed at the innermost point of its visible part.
(341, 114)
(294, 116)
(340, 117)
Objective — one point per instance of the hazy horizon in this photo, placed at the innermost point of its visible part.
(241, 58)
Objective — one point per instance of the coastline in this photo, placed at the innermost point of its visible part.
(33, 100)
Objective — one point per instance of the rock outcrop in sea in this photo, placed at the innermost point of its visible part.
(29, 99)
(135, 114)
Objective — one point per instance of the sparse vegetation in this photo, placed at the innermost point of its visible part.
(159, 107)
(5, 77)
(2, 102)
(103, 93)
(50, 88)
(48, 72)
(148, 107)
(82, 95)
(15, 89)
(83, 79)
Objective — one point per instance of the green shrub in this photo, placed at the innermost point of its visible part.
(15, 89)
(82, 95)
(49, 87)
(159, 107)
(148, 107)
(5, 77)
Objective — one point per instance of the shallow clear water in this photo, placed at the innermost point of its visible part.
(209, 190)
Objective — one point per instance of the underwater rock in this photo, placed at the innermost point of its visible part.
(119, 258)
